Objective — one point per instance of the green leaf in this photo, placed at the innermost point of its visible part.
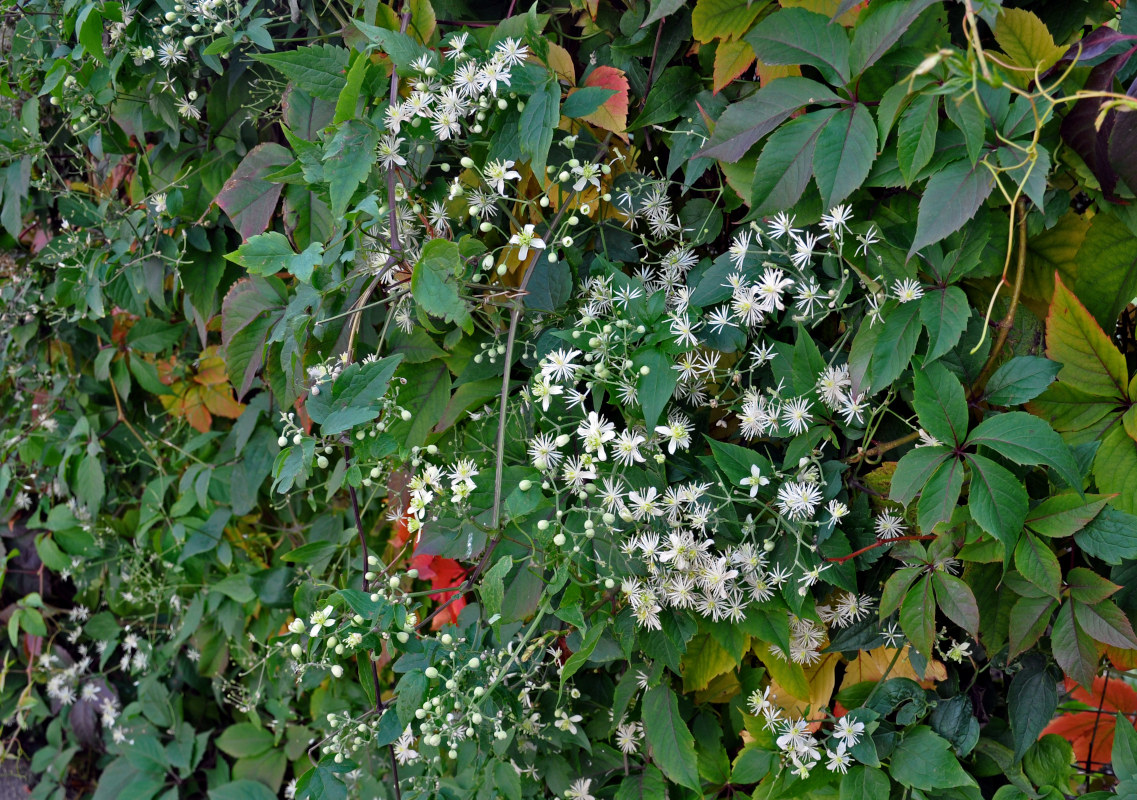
(348, 100)
(916, 135)
(956, 599)
(923, 760)
(244, 739)
(896, 344)
(949, 201)
(270, 253)
(1090, 361)
(90, 483)
(354, 396)
(248, 313)
(997, 500)
(845, 152)
(914, 470)
(864, 783)
(918, 616)
(940, 404)
(879, 27)
(745, 122)
(492, 589)
(661, 9)
(1028, 440)
(1069, 409)
(940, 495)
(1106, 623)
(1025, 38)
(152, 335)
(1031, 702)
(672, 93)
(1074, 649)
(1115, 466)
(348, 159)
(1037, 563)
(1020, 379)
(1110, 536)
(436, 279)
(242, 790)
(538, 120)
(646, 784)
(1029, 619)
(1125, 749)
(317, 70)
(1087, 586)
(247, 198)
(736, 461)
(1063, 515)
(673, 747)
(797, 36)
(578, 659)
(945, 313)
(723, 19)
(655, 388)
(786, 163)
(585, 100)
(967, 116)
(402, 49)
(896, 589)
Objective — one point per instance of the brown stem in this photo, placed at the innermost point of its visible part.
(882, 448)
(1009, 319)
(881, 543)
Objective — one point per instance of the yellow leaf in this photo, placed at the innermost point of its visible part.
(771, 72)
(1026, 40)
(821, 678)
(704, 660)
(826, 7)
(724, 19)
(613, 112)
(789, 677)
(871, 665)
(731, 60)
(721, 689)
(423, 21)
(560, 62)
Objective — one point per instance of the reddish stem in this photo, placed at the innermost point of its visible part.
(881, 543)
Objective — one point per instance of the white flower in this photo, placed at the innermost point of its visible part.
(526, 239)
(837, 219)
(558, 365)
(889, 526)
(907, 290)
(677, 431)
(839, 759)
(958, 651)
(594, 432)
(848, 731)
(404, 752)
(739, 247)
(628, 738)
(511, 52)
(498, 172)
(628, 447)
(389, 155)
(755, 480)
(796, 416)
(586, 174)
(798, 500)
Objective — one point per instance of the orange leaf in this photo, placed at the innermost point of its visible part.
(613, 114)
(771, 72)
(560, 62)
(870, 665)
(1086, 729)
(732, 58)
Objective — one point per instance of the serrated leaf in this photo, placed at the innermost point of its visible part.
(317, 69)
(1031, 702)
(1027, 440)
(845, 152)
(957, 601)
(354, 397)
(1026, 40)
(940, 495)
(1020, 379)
(1090, 362)
(918, 616)
(673, 746)
(1107, 268)
(1110, 536)
(914, 470)
(1036, 562)
(949, 201)
(1106, 623)
(436, 279)
(704, 660)
(896, 344)
(669, 96)
(1064, 514)
(1074, 650)
(916, 136)
(732, 58)
(347, 160)
(786, 163)
(540, 117)
(879, 27)
(997, 500)
(612, 115)
(724, 19)
(940, 404)
(585, 100)
(745, 122)
(945, 313)
(797, 36)
(924, 761)
(1029, 619)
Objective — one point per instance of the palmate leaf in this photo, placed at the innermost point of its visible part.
(797, 36)
(997, 499)
(1027, 440)
(1074, 649)
(845, 152)
(673, 746)
(940, 404)
(786, 163)
(318, 69)
(354, 396)
(951, 198)
(945, 313)
(1090, 361)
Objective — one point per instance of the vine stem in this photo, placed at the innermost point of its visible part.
(1009, 319)
(926, 537)
(882, 448)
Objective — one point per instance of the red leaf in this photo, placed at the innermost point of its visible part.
(613, 114)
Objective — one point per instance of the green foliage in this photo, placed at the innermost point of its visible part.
(553, 406)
